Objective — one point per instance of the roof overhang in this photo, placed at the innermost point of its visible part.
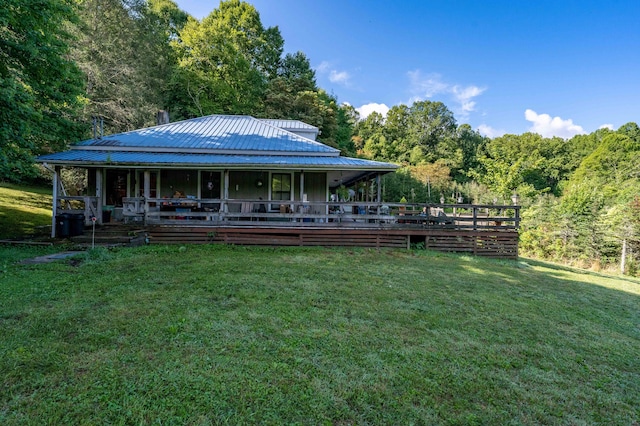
(158, 160)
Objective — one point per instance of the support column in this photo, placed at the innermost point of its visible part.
(147, 192)
(378, 191)
(56, 173)
(225, 192)
(99, 195)
(199, 191)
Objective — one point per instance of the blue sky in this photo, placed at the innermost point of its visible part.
(557, 68)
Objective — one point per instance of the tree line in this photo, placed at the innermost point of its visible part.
(63, 62)
(124, 60)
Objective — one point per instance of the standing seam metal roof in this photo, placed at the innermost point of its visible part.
(213, 132)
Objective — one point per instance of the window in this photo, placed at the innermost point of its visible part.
(281, 186)
(211, 183)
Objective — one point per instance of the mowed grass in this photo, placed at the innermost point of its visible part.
(231, 335)
(24, 211)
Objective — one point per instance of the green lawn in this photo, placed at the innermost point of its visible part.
(24, 211)
(230, 335)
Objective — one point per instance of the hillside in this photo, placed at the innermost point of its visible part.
(218, 334)
(24, 210)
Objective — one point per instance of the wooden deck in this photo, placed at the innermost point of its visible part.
(490, 243)
(482, 230)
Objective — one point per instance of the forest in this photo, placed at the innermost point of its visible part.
(125, 60)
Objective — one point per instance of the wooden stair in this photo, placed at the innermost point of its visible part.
(111, 235)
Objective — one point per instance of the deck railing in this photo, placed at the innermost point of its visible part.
(256, 212)
(85, 205)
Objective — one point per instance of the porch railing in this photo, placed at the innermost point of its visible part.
(85, 205)
(315, 213)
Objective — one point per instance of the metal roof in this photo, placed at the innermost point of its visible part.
(213, 133)
(146, 159)
(214, 142)
(289, 124)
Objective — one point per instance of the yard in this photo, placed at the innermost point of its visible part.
(225, 334)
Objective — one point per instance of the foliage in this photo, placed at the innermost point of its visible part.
(222, 64)
(124, 86)
(346, 119)
(528, 164)
(40, 88)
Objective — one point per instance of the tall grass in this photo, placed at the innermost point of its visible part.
(212, 334)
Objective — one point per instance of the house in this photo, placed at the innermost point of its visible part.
(215, 168)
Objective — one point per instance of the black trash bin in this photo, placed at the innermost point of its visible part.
(63, 225)
(76, 225)
(106, 216)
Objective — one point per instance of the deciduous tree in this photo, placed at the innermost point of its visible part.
(40, 87)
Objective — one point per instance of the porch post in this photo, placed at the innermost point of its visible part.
(147, 192)
(199, 191)
(99, 195)
(379, 188)
(301, 185)
(56, 172)
(225, 192)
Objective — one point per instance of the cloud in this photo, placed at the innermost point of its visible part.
(606, 126)
(464, 95)
(340, 77)
(335, 76)
(427, 86)
(490, 132)
(366, 110)
(548, 127)
(323, 67)
(430, 85)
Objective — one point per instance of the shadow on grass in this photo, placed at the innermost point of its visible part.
(18, 223)
(559, 270)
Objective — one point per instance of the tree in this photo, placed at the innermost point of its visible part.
(429, 123)
(395, 131)
(40, 87)
(435, 177)
(296, 71)
(460, 152)
(242, 28)
(124, 85)
(346, 118)
(294, 77)
(224, 62)
(614, 167)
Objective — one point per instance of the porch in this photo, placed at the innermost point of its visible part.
(332, 214)
(483, 230)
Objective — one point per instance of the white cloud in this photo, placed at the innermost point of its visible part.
(427, 86)
(547, 126)
(430, 85)
(366, 110)
(334, 75)
(464, 95)
(340, 77)
(606, 126)
(323, 67)
(490, 132)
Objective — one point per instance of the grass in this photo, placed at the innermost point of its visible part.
(232, 335)
(24, 210)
